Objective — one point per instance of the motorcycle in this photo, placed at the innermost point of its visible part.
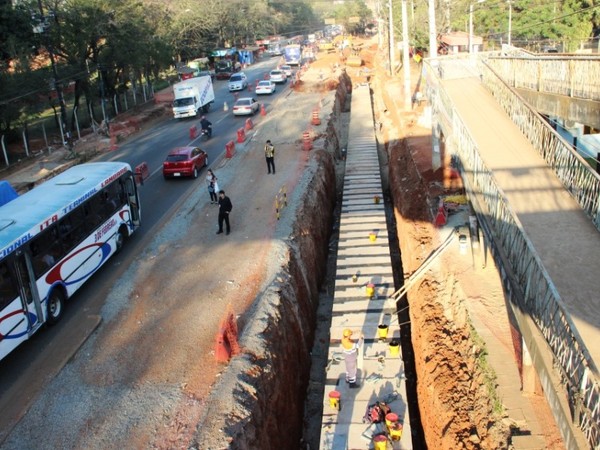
(206, 133)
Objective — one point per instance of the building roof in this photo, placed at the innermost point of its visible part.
(460, 38)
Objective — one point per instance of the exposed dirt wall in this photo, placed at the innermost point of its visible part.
(258, 402)
(455, 406)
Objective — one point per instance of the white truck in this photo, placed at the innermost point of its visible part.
(191, 96)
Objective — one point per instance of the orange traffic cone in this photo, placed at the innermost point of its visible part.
(263, 111)
(442, 216)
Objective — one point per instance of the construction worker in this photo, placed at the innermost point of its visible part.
(350, 350)
(270, 156)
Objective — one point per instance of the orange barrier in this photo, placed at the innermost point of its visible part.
(141, 173)
(241, 135)
(306, 141)
(193, 132)
(315, 117)
(249, 125)
(229, 149)
(263, 111)
(226, 344)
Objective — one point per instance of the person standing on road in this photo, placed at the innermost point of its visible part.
(213, 186)
(350, 350)
(225, 208)
(270, 156)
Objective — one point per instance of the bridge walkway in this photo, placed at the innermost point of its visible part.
(563, 236)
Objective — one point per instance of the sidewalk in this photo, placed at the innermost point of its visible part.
(38, 169)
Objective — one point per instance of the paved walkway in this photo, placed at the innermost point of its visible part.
(381, 374)
(561, 233)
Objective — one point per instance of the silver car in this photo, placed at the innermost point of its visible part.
(278, 76)
(246, 106)
(238, 82)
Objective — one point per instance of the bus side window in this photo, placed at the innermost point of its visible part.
(8, 290)
(94, 213)
(45, 251)
(72, 228)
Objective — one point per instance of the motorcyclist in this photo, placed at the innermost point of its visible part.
(206, 125)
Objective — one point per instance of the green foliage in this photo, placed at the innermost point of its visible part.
(353, 9)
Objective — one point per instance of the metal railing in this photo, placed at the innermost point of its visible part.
(530, 285)
(574, 76)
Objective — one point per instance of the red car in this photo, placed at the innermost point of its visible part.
(184, 162)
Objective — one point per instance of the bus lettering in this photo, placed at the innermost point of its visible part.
(15, 245)
(104, 230)
(48, 222)
(114, 177)
(79, 201)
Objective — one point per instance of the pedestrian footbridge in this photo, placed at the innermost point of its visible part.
(538, 202)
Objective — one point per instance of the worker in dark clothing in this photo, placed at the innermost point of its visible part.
(225, 208)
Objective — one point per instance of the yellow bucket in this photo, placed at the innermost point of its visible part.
(334, 400)
(382, 331)
(372, 237)
(394, 348)
(380, 442)
(390, 419)
(370, 290)
(395, 431)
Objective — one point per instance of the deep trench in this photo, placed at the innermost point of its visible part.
(312, 425)
(283, 374)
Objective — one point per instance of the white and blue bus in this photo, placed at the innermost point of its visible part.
(55, 237)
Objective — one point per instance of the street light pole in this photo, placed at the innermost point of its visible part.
(509, 20)
(57, 86)
(391, 38)
(471, 25)
(471, 28)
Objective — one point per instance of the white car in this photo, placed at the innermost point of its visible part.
(277, 76)
(238, 82)
(265, 87)
(287, 70)
(245, 106)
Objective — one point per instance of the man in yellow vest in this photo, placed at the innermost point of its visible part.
(270, 156)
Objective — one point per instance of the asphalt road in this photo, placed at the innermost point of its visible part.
(24, 373)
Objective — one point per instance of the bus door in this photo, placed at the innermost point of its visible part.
(30, 298)
(133, 200)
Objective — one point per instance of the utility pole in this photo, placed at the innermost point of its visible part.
(57, 86)
(509, 21)
(391, 38)
(432, 31)
(406, 59)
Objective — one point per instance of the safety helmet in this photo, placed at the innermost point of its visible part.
(347, 332)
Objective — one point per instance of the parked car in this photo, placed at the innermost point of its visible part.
(277, 76)
(287, 70)
(184, 162)
(238, 82)
(245, 106)
(265, 87)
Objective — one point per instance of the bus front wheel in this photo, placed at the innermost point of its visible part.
(121, 236)
(56, 305)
